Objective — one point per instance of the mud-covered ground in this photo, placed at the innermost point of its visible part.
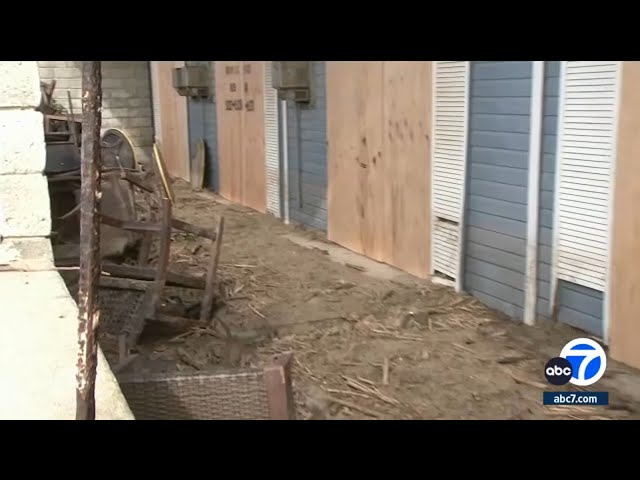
(364, 347)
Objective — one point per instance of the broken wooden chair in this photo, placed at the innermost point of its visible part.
(150, 283)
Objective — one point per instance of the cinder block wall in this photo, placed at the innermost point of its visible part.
(38, 345)
(25, 221)
(126, 101)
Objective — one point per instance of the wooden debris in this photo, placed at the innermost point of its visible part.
(355, 406)
(193, 229)
(208, 297)
(124, 283)
(346, 392)
(367, 381)
(371, 390)
(525, 381)
(149, 273)
(355, 267)
(253, 309)
(385, 372)
(461, 347)
(509, 359)
(414, 338)
(181, 337)
(187, 359)
(162, 266)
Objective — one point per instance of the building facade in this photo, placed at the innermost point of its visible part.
(498, 178)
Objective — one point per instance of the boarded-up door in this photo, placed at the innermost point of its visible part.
(379, 120)
(241, 132)
(170, 119)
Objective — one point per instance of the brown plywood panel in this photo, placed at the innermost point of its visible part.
(379, 116)
(624, 294)
(228, 77)
(241, 132)
(354, 115)
(406, 176)
(254, 177)
(173, 122)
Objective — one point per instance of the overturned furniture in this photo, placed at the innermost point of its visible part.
(63, 133)
(243, 394)
(132, 295)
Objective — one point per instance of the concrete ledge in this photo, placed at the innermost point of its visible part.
(26, 249)
(38, 353)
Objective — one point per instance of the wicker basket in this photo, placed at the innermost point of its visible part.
(256, 394)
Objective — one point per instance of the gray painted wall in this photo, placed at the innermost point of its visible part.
(579, 306)
(203, 124)
(547, 183)
(497, 196)
(307, 149)
(496, 213)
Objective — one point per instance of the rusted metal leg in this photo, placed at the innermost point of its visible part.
(163, 260)
(88, 314)
(277, 379)
(208, 296)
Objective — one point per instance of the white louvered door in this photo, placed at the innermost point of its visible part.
(450, 124)
(272, 150)
(155, 101)
(585, 160)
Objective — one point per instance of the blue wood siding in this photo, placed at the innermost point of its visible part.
(578, 306)
(496, 215)
(547, 184)
(495, 247)
(203, 124)
(307, 149)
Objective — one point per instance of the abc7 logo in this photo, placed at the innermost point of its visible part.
(558, 371)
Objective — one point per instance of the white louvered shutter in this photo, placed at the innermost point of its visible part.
(450, 125)
(155, 101)
(587, 139)
(271, 142)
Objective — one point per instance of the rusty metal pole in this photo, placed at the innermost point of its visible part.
(88, 313)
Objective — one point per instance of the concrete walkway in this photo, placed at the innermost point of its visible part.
(38, 352)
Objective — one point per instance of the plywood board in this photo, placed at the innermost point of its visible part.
(355, 139)
(241, 132)
(379, 116)
(406, 179)
(228, 77)
(255, 173)
(173, 117)
(624, 277)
